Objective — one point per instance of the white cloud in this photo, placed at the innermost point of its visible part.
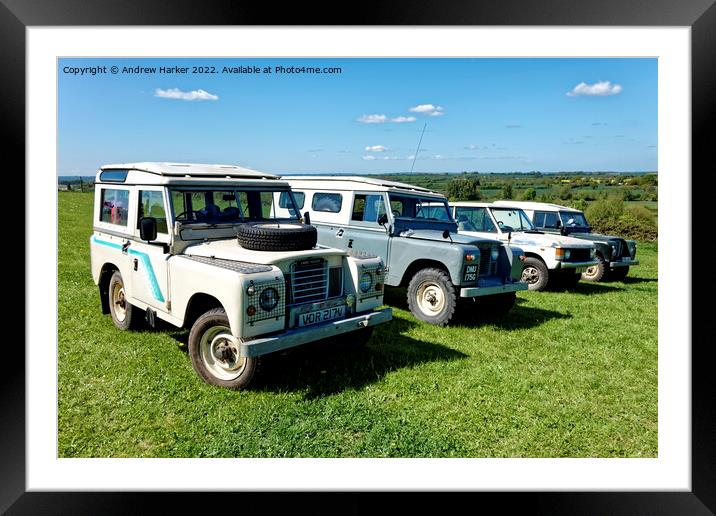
(601, 89)
(372, 119)
(369, 158)
(401, 119)
(376, 148)
(427, 109)
(176, 93)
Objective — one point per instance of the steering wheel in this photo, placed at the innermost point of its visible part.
(186, 213)
(396, 213)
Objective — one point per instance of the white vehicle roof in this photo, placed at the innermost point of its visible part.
(355, 183)
(183, 173)
(471, 204)
(529, 205)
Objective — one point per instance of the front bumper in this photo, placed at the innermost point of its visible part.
(489, 289)
(576, 265)
(625, 262)
(298, 336)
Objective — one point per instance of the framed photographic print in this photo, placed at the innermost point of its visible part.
(590, 396)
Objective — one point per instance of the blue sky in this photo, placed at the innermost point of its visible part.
(488, 115)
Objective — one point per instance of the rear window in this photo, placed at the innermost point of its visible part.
(114, 206)
(327, 202)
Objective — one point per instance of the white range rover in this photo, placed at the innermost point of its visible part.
(201, 247)
(549, 259)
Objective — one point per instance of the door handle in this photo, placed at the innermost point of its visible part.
(339, 233)
(125, 246)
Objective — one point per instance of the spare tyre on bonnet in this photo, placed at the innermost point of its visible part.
(277, 236)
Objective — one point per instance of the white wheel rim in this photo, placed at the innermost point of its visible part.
(530, 275)
(220, 354)
(119, 302)
(431, 298)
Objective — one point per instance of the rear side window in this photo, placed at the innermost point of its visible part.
(539, 219)
(114, 206)
(328, 202)
(151, 204)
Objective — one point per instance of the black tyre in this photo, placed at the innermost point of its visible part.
(596, 272)
(124, 315)
(271, 236)
(535, 273)
(500, 304)
(432, 297)
(215, 356)
(618, 273)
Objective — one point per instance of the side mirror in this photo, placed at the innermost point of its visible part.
(306, 218)
(148, 229)
(446, 233)
(383, 219)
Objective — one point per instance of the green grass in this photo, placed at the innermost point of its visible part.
(565, 374)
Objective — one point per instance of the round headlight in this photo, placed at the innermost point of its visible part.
(566, 254)
(366, 281)
(268, 299)
(494, 253)
(592, 253)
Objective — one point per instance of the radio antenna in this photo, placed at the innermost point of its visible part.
(418, 149)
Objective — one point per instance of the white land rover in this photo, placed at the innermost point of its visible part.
(201, 247)
(548, 258)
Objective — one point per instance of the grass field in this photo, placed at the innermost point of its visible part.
(565, 374)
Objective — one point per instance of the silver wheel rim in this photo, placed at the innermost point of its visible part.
(591, 271)
(119, 302)
(431, 298)
(530, 274)
(220, 354)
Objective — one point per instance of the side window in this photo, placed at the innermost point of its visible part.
(367, 208)
(474, 219)
(115, 204)
(551, 220)
(539, 219)
(300, 198)
(330, 202)
(151, 204)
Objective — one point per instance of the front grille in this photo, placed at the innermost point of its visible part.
(578, 255)
(261, 314)
(488, 266)
(308, 281)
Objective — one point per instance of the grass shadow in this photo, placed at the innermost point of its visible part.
(325, 368)
(519, 318)
(631, 280)
(589, 288)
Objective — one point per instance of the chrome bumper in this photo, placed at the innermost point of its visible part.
(625, 262)
(298, 336)
(489, 290)
(576, 265)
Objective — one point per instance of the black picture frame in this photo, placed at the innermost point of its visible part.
(700, 15)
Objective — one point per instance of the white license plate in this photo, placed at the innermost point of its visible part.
(323, 315)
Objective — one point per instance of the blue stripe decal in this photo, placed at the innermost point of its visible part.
(153, 283)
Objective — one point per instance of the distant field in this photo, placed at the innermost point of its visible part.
(565, 374)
